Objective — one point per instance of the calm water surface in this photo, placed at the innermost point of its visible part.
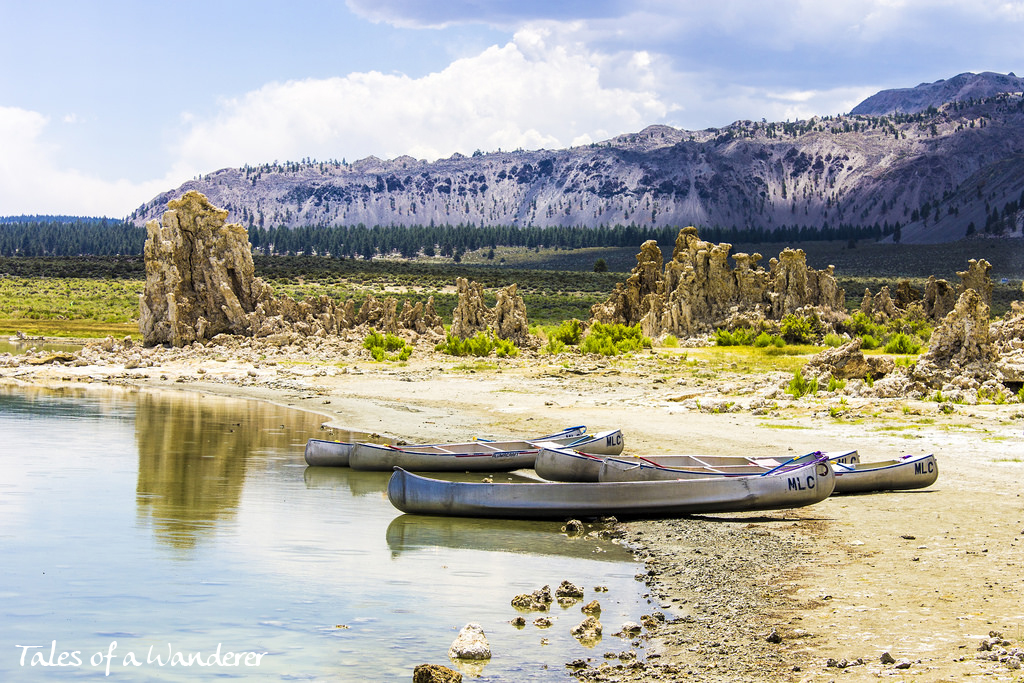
(173, 523)
(19, 347)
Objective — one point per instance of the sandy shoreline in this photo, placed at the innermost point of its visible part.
(924, 575)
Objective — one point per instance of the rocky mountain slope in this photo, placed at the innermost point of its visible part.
(961, 88)
(941, 172)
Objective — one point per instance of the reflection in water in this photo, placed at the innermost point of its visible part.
(411, 532)
(193, 454)
(91, 501)
(22, 346)
(64, 403)
(355, 482)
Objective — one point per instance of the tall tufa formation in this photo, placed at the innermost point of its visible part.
(939, 296)
(200, 278)
(698, 291)
(507, 319)
(201, 282)
(960, 348)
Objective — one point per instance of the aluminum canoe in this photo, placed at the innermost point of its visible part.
(473, 456)
(805, 485)
(323, 453)
(905, 473)
(560, 464)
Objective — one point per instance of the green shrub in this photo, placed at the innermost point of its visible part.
(798, 386)
(505, 348)
(480, 345)
(741, 336)
(834, 340)
(902, 343)
(671, 341)
(911, 324)
(867, 342)
(380, 346)
(553, 346)
(764, 340)
(861, 324)
(614, 340)
(834, 384)
(799, 329)
(570, 332)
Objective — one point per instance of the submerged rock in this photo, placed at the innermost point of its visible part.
(435, 673)
(568, 589)
(537, 601)
(588, 630)
(471, 643)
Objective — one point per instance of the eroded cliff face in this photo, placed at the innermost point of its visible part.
(201, 282)
(697, 290)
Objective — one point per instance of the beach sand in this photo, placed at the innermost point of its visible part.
(817, 593)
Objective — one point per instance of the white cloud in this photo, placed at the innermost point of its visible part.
(31, 182)
(532, 92)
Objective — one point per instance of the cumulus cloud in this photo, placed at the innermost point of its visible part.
(33, 182)
(529, 93)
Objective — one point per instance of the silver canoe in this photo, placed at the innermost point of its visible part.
(907, 472)
(474, 456)
(559, 464)
(323, 453)
(804, 485)
(644, 469)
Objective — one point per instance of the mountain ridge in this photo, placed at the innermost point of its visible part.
(938, 172)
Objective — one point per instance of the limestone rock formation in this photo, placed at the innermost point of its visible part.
(1007, 337)
(847, 362)
(201, 282)
(435, 673)
(507, 319)
(697, 290)
(200, 279)
(961, 347)
(939, 295)
(471, 643)
(939, 298)
(977, 277)
(587, 631)
(884, 308)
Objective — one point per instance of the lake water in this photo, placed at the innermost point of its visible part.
(19, 347)
(136, 525)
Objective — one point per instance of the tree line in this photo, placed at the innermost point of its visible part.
(360, 241)
(68, 236)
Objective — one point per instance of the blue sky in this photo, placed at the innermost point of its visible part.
(105, 103)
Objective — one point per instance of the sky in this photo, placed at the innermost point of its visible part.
(106, 103)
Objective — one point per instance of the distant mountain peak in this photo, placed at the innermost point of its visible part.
(959, 88)
(948, 164)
